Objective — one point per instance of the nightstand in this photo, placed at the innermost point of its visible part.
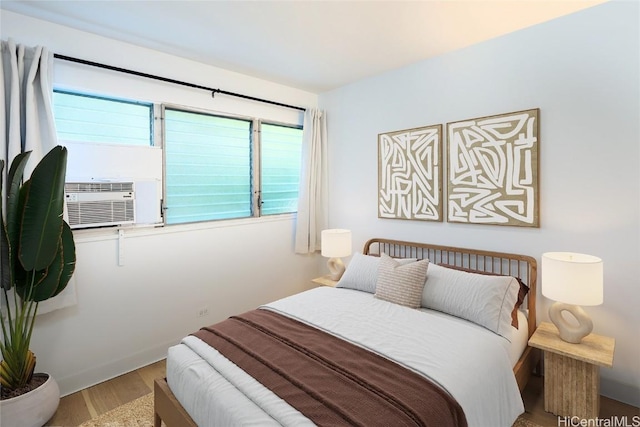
(572, 371)
(325, 281)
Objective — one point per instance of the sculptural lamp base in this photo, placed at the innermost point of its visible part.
(567, 331)
(336, 268)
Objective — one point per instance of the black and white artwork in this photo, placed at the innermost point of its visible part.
(493, 170)
(410, 174)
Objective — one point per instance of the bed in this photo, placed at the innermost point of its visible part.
(480, 367)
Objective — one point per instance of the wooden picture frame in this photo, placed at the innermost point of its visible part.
(410, 174)
(493, 170)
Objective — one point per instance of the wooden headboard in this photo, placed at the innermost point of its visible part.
(522, 266)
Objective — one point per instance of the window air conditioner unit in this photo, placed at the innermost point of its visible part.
(100, 203)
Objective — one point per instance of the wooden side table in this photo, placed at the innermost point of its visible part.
(572, 371)
(325, 281)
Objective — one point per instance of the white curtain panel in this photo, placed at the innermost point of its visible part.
(313, 211)
(27, 88)
(28, 124)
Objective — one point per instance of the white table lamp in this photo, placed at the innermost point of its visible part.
(572, 280)
(336, 243)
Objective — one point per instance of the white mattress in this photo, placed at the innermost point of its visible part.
(473, 364)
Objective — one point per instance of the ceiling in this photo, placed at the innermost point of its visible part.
(312, 45)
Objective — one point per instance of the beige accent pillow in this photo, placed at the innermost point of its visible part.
(401, 284)
(362, 272)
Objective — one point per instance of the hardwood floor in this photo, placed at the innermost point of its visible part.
(533, 398)
(79, 407)
(89, 403)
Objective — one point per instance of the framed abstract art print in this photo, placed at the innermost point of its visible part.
(410, 174)
(493, 170)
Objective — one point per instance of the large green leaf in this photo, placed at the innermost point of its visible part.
(14, 213)
(5, 275)
(55, 278)
(18, 273)
(42, 215)
(9, 223)
(68, 258)
(5, 266)
(46, 287)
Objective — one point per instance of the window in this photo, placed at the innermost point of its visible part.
(210, 166)
(213, 167)
(207, 167)
(280, 172)
(87, 118)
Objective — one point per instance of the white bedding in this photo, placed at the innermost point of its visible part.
(472, 363)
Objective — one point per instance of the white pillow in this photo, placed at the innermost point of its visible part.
(362, 272)
(485, 300)
(401, 284)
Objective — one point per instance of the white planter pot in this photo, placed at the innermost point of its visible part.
(31, 409)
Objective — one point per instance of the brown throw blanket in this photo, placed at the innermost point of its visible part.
(329, 380)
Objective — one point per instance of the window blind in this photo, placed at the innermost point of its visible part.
(207, 167)
(84, 118)
(280, 168)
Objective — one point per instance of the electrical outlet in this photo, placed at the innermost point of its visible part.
(202, 312)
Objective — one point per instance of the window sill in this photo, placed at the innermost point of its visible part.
(111, 233)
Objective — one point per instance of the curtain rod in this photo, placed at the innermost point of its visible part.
(177, 82)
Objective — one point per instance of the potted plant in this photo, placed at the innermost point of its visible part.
(37, 259)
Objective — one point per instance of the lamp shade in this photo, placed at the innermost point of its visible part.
(572, 278)
(336, 243)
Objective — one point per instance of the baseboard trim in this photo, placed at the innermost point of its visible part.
(96, 375)
(625, 393)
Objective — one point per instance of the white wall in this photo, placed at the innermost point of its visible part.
(582, 71)
(128, 315)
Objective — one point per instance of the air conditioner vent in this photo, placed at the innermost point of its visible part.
(98, 204)
(97, 187)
